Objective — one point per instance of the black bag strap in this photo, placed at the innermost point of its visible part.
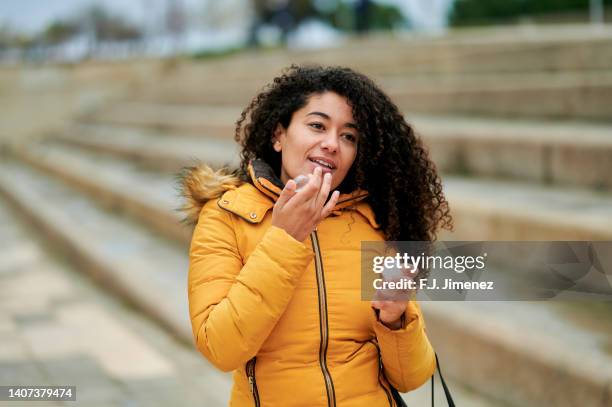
(449, 399)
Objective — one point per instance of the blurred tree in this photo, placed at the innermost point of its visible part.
(6, 37)
(498, 11)
(10, 38)
(385, 17)
(59, 31)
(107, 27)
(362, 16)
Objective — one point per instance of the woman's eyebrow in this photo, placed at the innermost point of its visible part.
(326, 116)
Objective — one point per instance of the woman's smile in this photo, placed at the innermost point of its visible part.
(326, 164)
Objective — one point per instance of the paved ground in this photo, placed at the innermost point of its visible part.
(57, 328)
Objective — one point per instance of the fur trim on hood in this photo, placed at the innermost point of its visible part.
(199, 184)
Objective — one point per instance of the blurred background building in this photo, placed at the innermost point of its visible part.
(104, 101)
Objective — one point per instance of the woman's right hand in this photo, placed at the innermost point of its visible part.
(299, 212)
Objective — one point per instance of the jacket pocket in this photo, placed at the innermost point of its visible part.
(250, 372)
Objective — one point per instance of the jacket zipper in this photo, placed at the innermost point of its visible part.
(250, 371)
(323, 326)
(381, 373)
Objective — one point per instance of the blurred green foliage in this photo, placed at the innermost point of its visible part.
(471, 12)
(379, 16)
(338, 14)
(212, 54)
(60, 31)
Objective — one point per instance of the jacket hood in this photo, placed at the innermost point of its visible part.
(200, 183)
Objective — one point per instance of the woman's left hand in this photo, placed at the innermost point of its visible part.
(390, 312)
(391, 304)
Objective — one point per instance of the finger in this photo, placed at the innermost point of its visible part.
(286, 193)
(324, 191)
(329, 206)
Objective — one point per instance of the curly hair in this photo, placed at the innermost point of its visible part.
(392, 164)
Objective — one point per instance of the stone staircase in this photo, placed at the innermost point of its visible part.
(103, 189)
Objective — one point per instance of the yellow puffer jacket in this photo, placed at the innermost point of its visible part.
(286, 316)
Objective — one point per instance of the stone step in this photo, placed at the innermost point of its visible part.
(557, 153)
(547, 353)
(168, 118)
(548, 99)
(70, 331)
(537, 151)
(117, 184)
(544, 94)
(481, 50)
(489, 209)
(178, 88)
(156, 149)
(114, 241)
(143, 268)
(405, 58)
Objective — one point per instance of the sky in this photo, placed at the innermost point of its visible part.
(34, 15)
(31, 16)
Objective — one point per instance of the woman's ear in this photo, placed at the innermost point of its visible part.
(279, 133)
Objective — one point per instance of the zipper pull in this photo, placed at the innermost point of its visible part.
(252, 384)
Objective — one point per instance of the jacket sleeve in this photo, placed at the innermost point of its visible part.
(408, 357)
(234, 306)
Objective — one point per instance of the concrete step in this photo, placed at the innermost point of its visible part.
(140, 267)
(567, 153)
(143, 268)
(489, 209)
(548, 353)
(558, 97)
(492, 49)
(70, 331)
(119, 185)
(406, 58)
(114, 243)
(522, 49)
(561, 153)
(543, 94)
(152, 148)
(166, 117)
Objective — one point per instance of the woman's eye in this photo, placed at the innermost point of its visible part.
(317, 126)
(350, 137)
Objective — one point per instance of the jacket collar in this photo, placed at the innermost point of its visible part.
(265, 181)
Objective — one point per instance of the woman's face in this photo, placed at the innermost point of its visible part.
(322, 134)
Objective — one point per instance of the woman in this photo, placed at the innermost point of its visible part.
(274, 277)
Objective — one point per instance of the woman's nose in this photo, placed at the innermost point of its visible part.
(330, 142)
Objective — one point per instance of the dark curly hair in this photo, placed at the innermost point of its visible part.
(392, 164)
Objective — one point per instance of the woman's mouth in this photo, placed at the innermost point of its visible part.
(326, 166)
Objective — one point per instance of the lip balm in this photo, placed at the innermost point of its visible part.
(300, 181)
